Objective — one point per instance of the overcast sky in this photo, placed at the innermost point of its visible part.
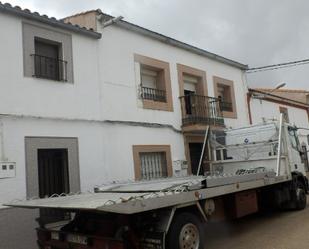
(253, 32)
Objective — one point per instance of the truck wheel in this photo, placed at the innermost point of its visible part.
(300, 197)
(186, 232)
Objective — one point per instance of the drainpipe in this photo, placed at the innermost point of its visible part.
(1, 142)
(249, 107)
(279, 145)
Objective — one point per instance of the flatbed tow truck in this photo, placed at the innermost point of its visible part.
(252, 168)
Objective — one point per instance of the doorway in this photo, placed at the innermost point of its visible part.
(53, 172)
(195, 150)
(52, 167)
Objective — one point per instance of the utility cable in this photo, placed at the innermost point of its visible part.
(277, 66)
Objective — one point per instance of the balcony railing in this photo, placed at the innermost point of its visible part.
(49, 68)
(226, 106)
(198, 109)
(153, 94)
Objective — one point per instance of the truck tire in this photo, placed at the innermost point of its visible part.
(300, 196)
(185, 232)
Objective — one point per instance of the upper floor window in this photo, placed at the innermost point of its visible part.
(224, 91)
(150, 84)
(153, 78)
(225, 97)
(47, 62)
(47, 53)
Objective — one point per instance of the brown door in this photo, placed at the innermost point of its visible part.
(53, 179)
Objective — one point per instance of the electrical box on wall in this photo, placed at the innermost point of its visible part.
(180, 164)
(7, 169)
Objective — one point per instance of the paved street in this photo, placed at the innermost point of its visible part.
(278, 230)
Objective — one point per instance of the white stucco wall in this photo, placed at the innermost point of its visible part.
(47, 98)
(105, 150)
(267, 110)
(117, 49)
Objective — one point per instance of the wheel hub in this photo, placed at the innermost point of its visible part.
(189, 237)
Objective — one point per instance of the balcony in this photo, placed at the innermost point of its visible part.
(201, 110)
(153, 94)
(49, 68)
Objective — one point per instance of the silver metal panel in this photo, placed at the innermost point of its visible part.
(193, 182)
(213, 181)
(89, 201)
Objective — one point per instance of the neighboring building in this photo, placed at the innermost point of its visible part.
(299, 95)
(79, 107)
(267, 104)
(49, 104)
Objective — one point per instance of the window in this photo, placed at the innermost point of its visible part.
(285, 113)
(153, 165)
(47, 53)
(224, 96)
(153, 78)
(224, 91)
(152, 161)
(47, 62)
(150, 83)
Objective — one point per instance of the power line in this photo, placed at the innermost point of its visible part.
(278, 66)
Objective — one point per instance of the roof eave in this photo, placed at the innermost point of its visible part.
(46, 20)
(176, 43)
(273, 96)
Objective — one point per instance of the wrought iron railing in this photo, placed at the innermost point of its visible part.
(153, 94)
(226, 106)
(49, 68)
(198, 109)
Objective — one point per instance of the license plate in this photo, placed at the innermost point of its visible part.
(78, 239)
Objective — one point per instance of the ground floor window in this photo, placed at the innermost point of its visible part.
(153, 165)
(152, 161)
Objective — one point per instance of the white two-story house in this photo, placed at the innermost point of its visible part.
(86, 100)
(162, 94)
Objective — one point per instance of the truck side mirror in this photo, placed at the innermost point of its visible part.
(308, 139)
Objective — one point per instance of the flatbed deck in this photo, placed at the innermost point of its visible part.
(130, 198)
